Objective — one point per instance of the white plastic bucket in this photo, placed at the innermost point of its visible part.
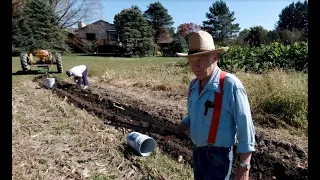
(142, 143)
(50, 82)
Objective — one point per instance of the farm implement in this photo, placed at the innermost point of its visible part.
(45, 61)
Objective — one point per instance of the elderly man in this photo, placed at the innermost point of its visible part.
(218, 113)
(80, 75)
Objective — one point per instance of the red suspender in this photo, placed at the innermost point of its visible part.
(217, 110)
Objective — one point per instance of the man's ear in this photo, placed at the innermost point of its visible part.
(215, 57)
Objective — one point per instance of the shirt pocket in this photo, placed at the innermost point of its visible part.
(209, 116)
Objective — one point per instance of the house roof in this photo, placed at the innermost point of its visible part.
(93, 24)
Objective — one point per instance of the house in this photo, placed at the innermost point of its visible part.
(100, 35)
(104, 38)
(164, 45)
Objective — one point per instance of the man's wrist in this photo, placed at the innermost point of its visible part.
(245, 157)
(244, 165)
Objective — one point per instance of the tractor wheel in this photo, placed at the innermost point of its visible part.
(24, 62)
(59, 62)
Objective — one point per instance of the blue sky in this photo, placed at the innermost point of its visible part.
(248, 13)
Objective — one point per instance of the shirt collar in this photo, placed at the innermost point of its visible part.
(213, 83)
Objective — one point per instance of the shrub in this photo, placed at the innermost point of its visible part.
(266, 57)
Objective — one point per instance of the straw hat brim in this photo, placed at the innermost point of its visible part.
(215, 51)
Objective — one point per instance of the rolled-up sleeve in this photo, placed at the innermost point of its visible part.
(240, 109)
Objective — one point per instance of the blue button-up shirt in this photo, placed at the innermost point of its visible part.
(235, 119)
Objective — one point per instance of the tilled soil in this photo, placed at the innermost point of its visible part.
(272, 160)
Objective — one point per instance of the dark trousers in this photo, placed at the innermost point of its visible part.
(212, 163)
(84, 79)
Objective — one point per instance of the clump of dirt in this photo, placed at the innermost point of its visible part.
(272, 160)
(276, 160)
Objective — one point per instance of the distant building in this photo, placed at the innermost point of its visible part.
(101, 33)
(105, 37)
(163, 44)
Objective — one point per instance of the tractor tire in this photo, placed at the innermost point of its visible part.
(59, 62)
(24, 62)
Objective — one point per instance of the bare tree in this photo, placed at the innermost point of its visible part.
(71, 11)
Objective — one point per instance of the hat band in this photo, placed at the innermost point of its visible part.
(193, 52)
(196, 51)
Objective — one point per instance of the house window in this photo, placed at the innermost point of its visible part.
(91, 36)
(113, 37)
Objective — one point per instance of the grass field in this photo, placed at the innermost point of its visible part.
(46, 130)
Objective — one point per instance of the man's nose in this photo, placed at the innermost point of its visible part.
(196, 67)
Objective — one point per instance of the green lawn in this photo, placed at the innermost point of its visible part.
(99, 65)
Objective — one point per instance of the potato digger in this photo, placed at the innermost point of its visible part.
(45, 61)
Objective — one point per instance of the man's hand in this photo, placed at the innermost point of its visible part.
(182, 128)
(241, 174)
(75, 79)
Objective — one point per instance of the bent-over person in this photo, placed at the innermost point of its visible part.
(80, 75)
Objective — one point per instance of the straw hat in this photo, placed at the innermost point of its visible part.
(201, 43)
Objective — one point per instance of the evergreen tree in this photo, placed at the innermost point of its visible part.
(220, 22)
(37, 27)
(17, 37)
(158, 17)
(179, 44)
(294, 16)
(136, 34)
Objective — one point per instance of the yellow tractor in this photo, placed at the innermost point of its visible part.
(45, 61)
